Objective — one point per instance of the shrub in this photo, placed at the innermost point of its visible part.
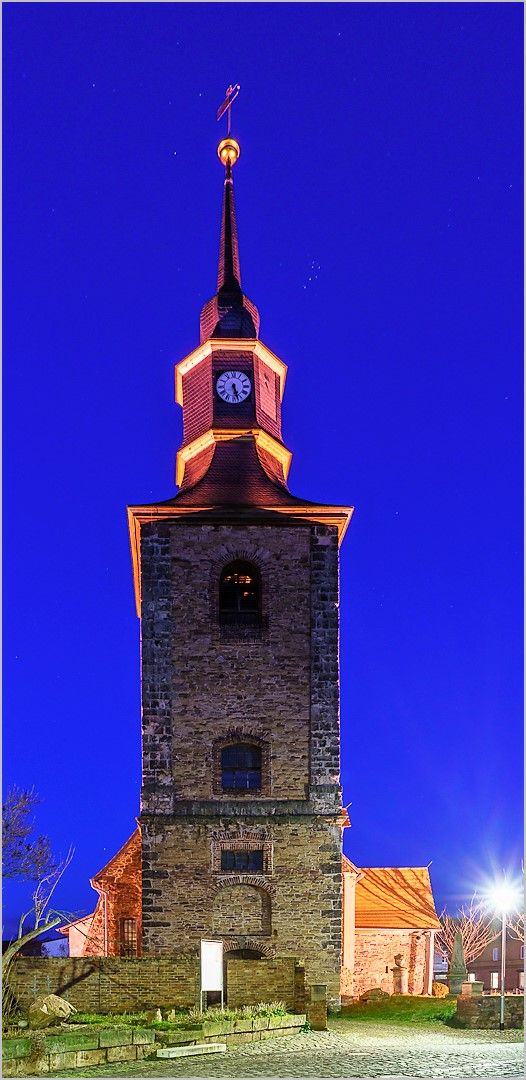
(440, 989)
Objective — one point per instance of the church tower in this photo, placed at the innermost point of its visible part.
(237, 591)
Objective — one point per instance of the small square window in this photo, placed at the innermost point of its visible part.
(471, 976)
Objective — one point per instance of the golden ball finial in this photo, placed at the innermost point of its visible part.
(228, 151)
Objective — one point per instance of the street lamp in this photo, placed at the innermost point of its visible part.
(503, 897)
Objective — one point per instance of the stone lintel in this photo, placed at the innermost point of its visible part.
(266, 811)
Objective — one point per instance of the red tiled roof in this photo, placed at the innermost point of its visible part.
(400, 897)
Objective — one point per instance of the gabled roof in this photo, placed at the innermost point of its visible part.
(397, 897)
(112, 864)
(66, 927)
(348, 867)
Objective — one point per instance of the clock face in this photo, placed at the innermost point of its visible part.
(233, 386)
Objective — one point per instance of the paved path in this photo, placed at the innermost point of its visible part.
(349, 1049)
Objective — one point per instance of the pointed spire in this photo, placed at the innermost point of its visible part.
(228, 274)
(229, 313)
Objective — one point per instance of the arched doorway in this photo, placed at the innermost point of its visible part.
(244, 954)
(240, 951)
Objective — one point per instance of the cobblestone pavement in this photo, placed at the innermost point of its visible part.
(349, 1049)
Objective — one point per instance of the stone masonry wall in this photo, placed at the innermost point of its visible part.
(278, 686)
(484, 1012)
(261, 980)
(118, 985)
(303, 892)
(208, 686)
(104, 985)
(325, 787)
(375, 951)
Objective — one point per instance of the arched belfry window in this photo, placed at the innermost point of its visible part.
(241, 767)
(240, 594)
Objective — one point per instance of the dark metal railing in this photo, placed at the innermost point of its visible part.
(242, 620)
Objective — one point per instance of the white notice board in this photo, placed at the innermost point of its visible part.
(211, 965)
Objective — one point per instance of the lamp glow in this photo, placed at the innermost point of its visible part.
(504, 896)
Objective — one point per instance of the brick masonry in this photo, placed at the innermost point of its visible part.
(374, 955)
(265, 980)
(281, 689)
(112, 985)
(107, 984)
(120, 898)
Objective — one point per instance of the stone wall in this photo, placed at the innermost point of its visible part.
(278, 687)
(197, 686)
(262, 980)
(484, 1012)
(374, 955)
(89, 1045)
(102, 985)
(302, 895)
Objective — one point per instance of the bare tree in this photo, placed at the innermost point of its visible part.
(23, 854)
(476, 926)
(516, 926)
(29, 857)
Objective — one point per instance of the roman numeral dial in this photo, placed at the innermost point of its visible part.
(233, 386)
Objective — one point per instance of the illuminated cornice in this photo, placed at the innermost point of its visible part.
(213, 345)
(215, 435)
(339, 516)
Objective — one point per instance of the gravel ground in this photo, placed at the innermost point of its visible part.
(349, 1049)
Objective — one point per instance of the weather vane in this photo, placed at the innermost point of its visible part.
(226, 107)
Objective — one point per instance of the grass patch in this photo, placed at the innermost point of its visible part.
(184, 1018)
(108, 1019)
(401, 1010)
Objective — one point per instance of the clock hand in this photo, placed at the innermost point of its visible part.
(234, 390)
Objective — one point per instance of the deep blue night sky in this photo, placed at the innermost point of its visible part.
(379, 200)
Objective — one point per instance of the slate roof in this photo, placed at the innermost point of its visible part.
(236, 477)
(229, 313)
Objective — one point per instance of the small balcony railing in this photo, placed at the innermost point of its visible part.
(242, 620)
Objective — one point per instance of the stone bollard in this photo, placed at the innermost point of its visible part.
(317, 1007)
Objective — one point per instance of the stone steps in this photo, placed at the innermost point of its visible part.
(190, 1051)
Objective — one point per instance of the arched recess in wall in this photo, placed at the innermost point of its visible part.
(240, 948)
(241, 910)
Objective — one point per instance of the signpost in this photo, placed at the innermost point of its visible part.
(211, 968)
